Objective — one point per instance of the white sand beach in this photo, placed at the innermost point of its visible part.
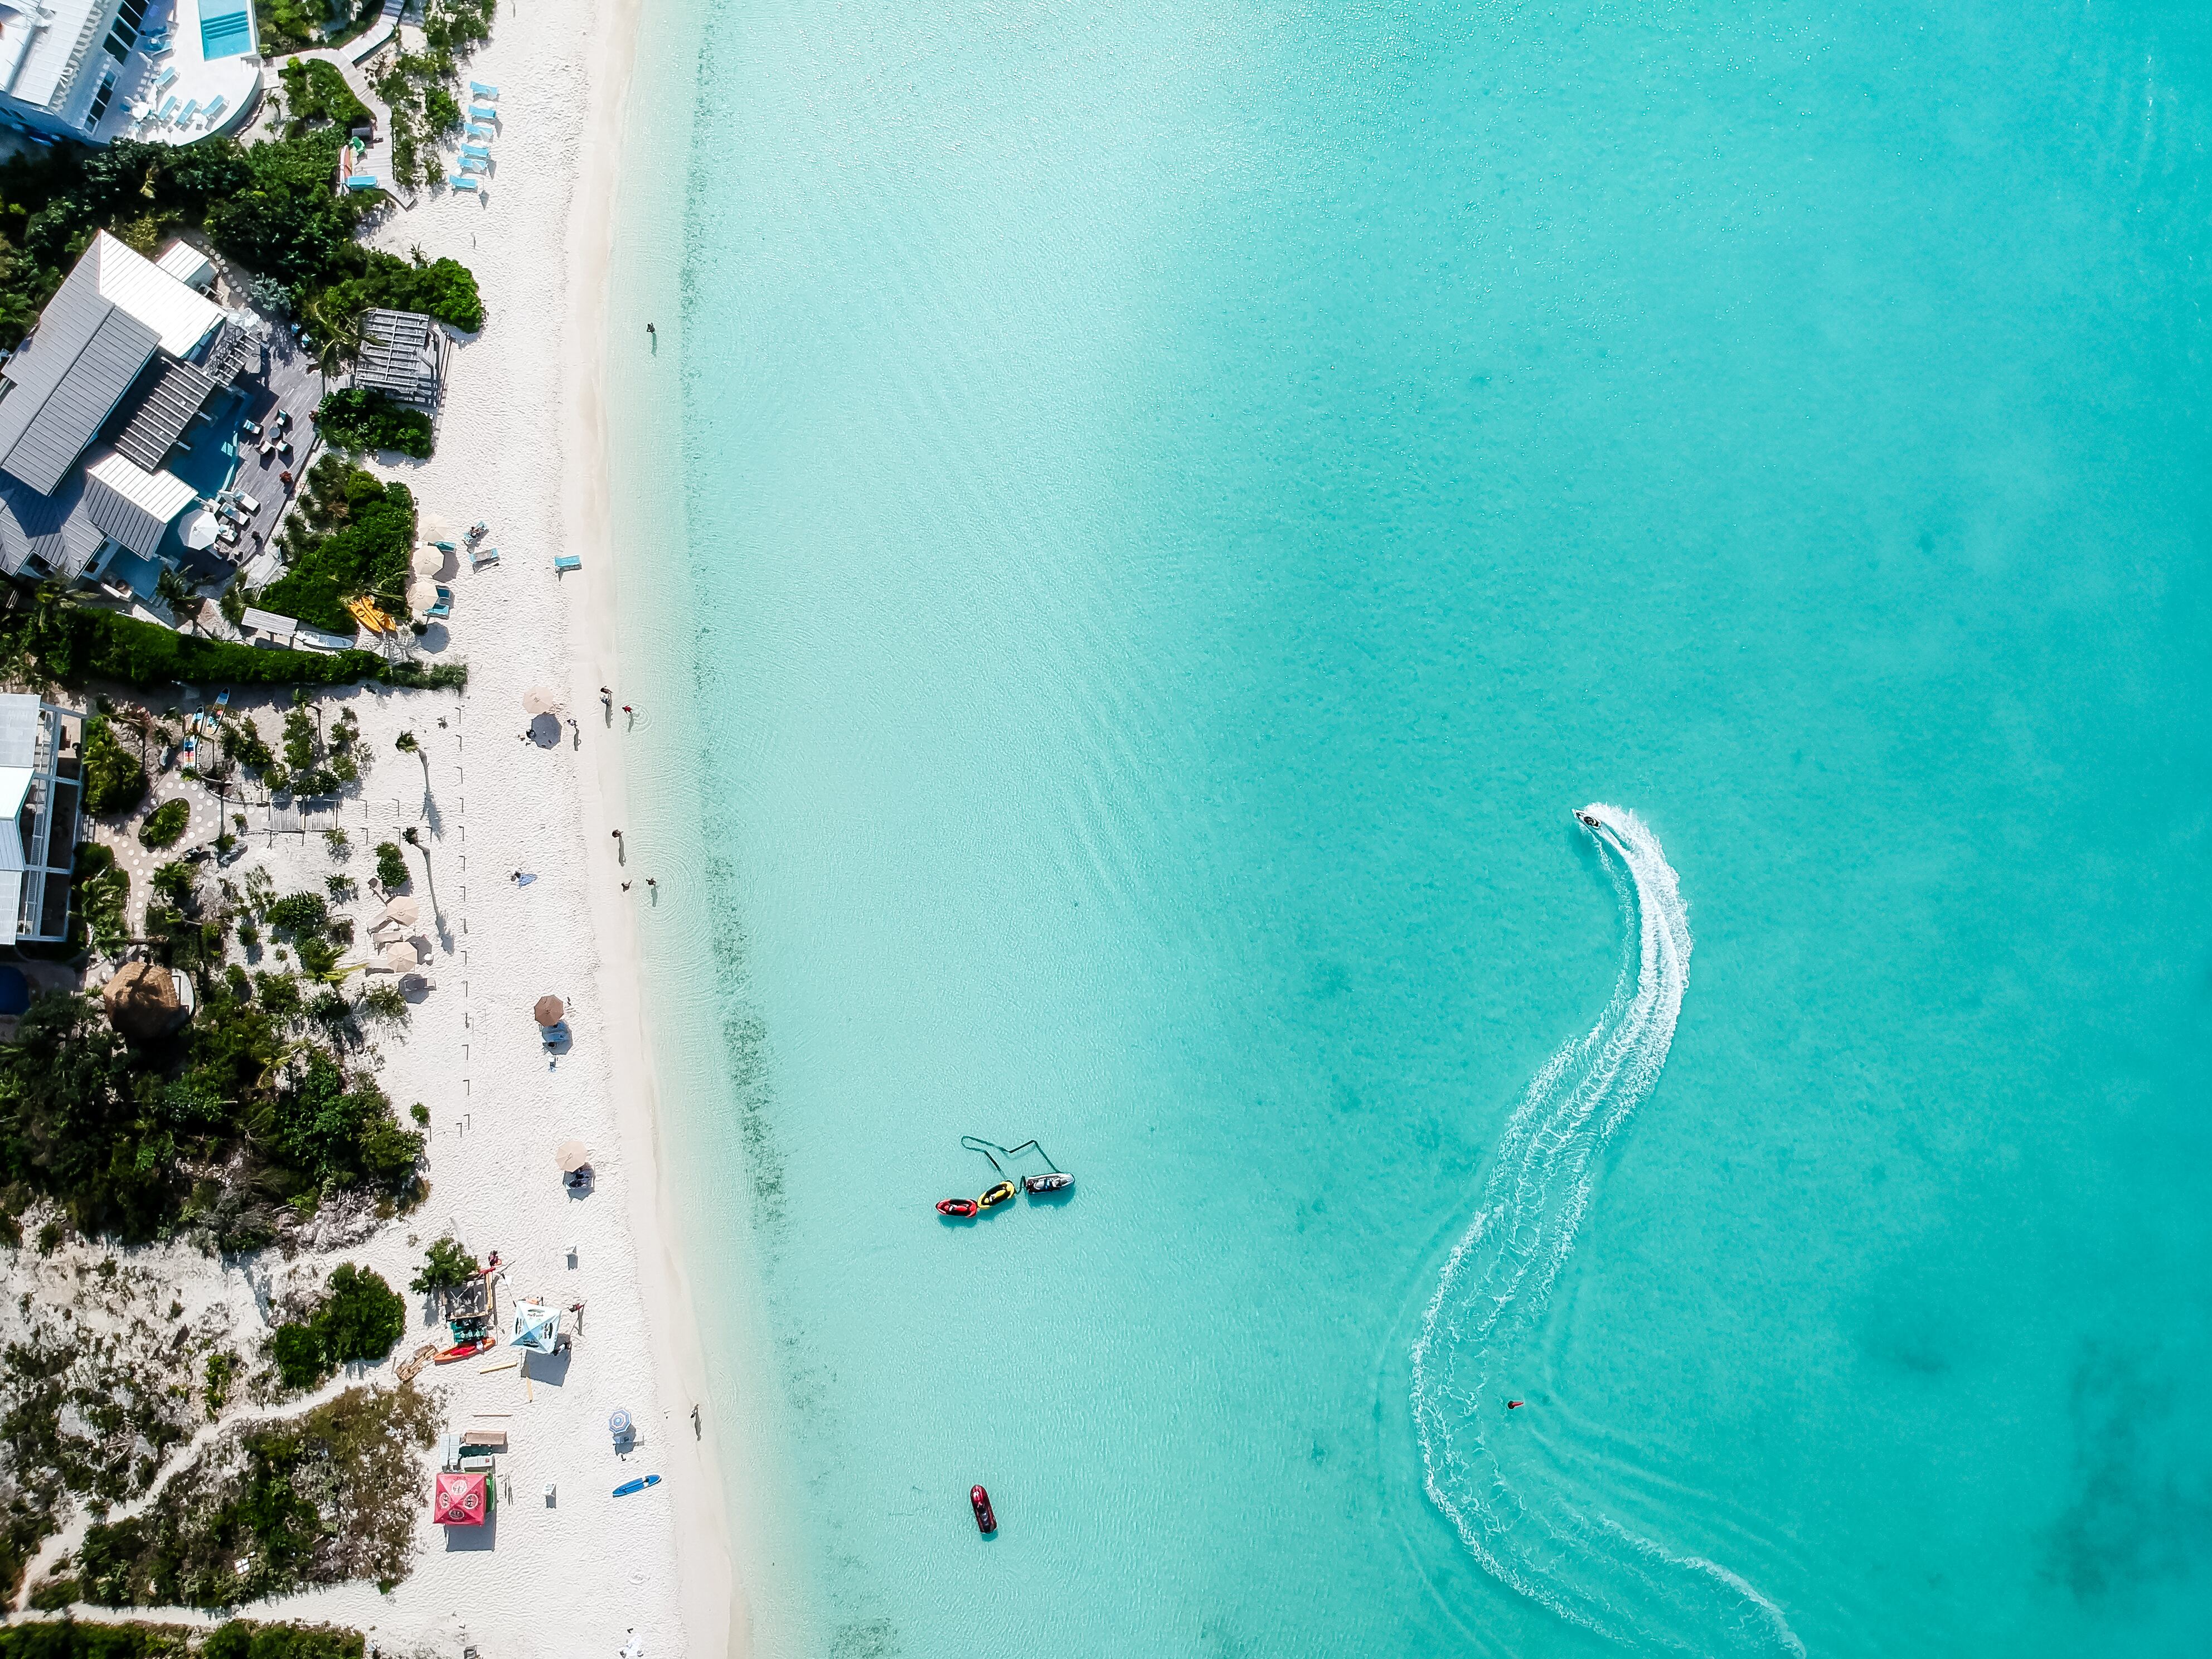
(519, 448)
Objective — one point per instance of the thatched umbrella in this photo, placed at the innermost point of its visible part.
(401, 958)
(571, 1156)
(548, 1012)
(141, 1002)
(539, 700)
(402, 910)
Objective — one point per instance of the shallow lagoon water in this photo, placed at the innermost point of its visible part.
(1178, 504)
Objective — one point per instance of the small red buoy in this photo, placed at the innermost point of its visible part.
(980, 1501)
(1512, 1404)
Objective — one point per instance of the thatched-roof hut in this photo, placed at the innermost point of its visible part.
(145, 1001)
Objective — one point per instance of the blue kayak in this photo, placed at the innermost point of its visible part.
(629, 1486)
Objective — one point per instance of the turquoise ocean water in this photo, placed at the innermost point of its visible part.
(1177, 505)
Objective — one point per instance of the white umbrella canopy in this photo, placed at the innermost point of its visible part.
(572, 1156)
(401, 958)
(539, 700)
(201, 531)
(422, 594)
(402, 910)
(428, 561)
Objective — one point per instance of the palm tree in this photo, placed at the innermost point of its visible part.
(407, 746)
(173, 591)
(414, 840)
(338, 335)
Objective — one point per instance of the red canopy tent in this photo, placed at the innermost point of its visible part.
(462, 1501)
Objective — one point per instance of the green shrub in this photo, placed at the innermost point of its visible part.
(447, 1265)
(165, 825)
(354, 536)
(103, 894)
(315, 90)
(114, 778)
(73, 645)
(391, 869)
(300, 915)
(443, 288)
(363, 1318)
(298, 1352)
(354, 419)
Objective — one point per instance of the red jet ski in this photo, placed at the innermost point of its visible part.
(962, 1207)
(980, 1501)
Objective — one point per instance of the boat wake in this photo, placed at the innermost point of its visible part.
(1523, 1523)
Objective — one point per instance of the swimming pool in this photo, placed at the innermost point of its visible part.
(226, 29)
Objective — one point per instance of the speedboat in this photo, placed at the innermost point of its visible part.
(1049, 1183)
(998, 1194)
(980, 1501)
(956, 1206)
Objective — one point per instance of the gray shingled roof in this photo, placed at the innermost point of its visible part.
(57, 527)
(65, 380)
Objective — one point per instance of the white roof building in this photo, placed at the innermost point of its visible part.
(167, 71)
(41, 764)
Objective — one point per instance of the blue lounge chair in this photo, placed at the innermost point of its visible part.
(461, 181)
(445, 605)
(214, 111)
(563, 563)
(168, 110)
(479, 113)
(184, 115)
(443, 547)
(478, 131)
(481, 556)
(476, 150)
(360, 181)
(165, 80)
(475, 164)
(482, 91)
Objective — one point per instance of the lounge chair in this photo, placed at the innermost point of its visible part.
(360, 181)
(165, 80)
(215, 109)
(479, 113)
(461, 181)
(184, 115)
(475, 164)
(168, 110)
(481, 556)
(444, 547)
(477, 150)
(477, 130)
(445, 605)
(564, 562)
(482, 91)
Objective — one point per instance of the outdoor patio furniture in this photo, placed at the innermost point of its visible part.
(564, 562)
(482, 91)
(360, 181)
(478, 131)
(475, 164)
(481, 556)
(461, 181)
(476, 149)
(489, 116)
(248, 502)
(216, 107)
(165, 80)
(169, 109)
(445, 605)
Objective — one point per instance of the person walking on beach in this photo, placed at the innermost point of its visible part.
(695, 1422)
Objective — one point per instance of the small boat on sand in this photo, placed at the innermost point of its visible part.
(466, 1350)
(411, 1367)
(998, 1194)
(1049, 1183)
(980, 1501)
(629, 1486)
(960, 1207)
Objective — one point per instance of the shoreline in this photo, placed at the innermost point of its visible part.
(711, 1612)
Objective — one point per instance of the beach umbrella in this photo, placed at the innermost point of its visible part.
(546, 731)
(402, 910)
(618, 1425)
(572, 1156)
(401, 958)
(548, 1012)
(428, 561)
(536, 1327)
(539, 700)
(201, 531)
(422, 594)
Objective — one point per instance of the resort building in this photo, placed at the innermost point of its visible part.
(93, 405)
(40, 749)
(167, 71)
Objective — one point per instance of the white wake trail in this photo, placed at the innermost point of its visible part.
(1543, 1540)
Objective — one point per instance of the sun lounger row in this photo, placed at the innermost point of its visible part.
(479, 90)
